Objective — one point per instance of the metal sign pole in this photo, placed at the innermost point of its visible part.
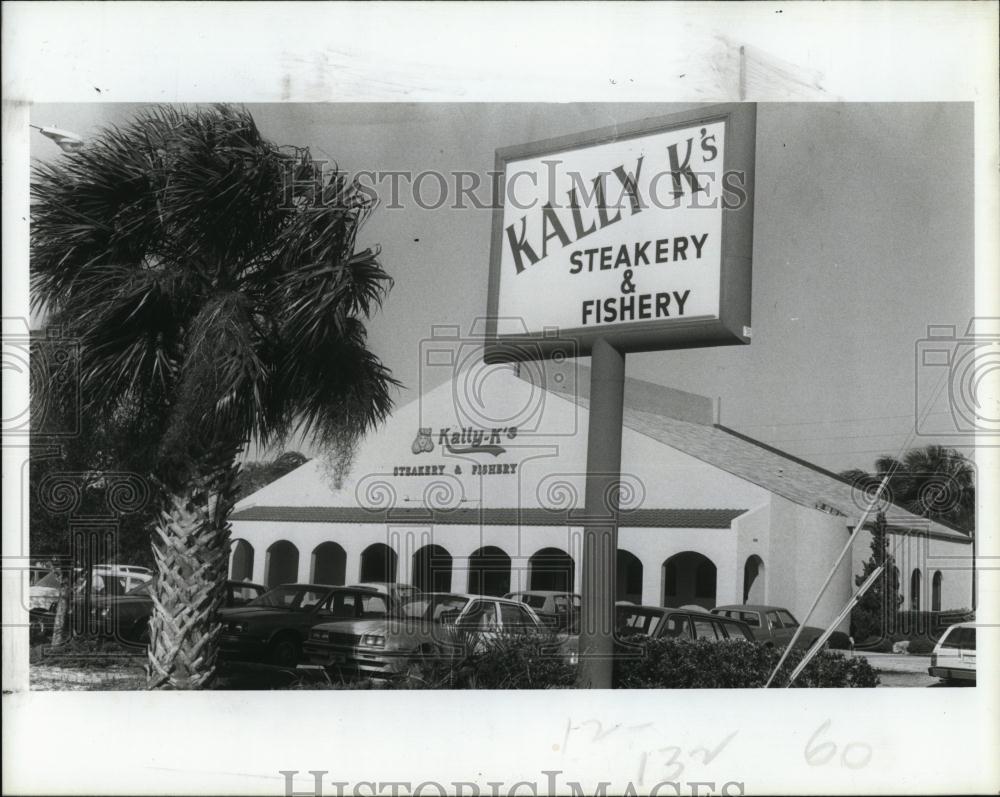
(600, 529)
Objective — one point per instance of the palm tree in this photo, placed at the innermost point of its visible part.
(934, 482)
(213, 281)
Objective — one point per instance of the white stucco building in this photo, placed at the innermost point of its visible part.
(473, 487)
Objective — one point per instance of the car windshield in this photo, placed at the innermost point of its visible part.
(961, 638)
(143, 589)
(290, 597)
(534, 601)
(787, 620)
(637, 621)
(431, 607)
(50, 580)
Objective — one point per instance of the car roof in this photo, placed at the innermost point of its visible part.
(751, 607)
(542, 592)
(312, 586)
(383, 584)
(665, 609)
(469, 596)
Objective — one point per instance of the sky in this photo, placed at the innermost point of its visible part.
(863, 237)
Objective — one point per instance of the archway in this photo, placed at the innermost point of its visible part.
(551, 569)
(432, 569)
(936, 591)
(378, 563)
(489, 571)
(281, 564)
(241, 563)
(753, 580)
(689, 579)
(915, 589)
(329, 564)
(628, 578)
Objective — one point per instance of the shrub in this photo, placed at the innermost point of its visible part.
(921, 647)
(839, 641)
(682, 664)
(508, 661)
(512, 661)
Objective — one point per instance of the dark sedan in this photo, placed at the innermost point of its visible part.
(126, 617)
(272, 628)
(773, 625)
(561, 610)
(658, 622)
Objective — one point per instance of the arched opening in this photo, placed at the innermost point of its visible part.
(689, 579)
(753, 580)
(281, 565)
(551, 569)
(378, 563)
(241, 562)
(628, 578)
(489, 571)
(432, 569)
(915, 589)
(329, 564)
(936, 592)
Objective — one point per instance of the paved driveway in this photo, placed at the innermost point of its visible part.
(901, 669)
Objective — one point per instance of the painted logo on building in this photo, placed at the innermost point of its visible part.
(467, 440)
(422, 443)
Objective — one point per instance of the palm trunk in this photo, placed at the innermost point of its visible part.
(191, 549)
(60, 625)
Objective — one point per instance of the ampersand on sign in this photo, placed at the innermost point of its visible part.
(627, 286)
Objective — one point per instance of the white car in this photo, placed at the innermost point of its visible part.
(107, 580)
(954, 656)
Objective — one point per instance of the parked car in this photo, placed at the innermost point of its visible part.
(127, 570)
(772, 625)
(126, 617)
(105, 580)
(418, 630)
(36, 573)
(658, 622)
(954, 656)
(561, 610)
(398, 592)
(273, 627)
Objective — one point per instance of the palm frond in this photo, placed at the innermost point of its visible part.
(206, 267)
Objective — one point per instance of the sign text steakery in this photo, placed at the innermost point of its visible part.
(625, 229)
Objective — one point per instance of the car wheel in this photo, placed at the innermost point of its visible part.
(285, 651)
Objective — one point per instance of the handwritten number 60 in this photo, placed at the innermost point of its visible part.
(819, 754)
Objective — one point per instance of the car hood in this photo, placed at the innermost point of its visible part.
(377, 625)
(114, 601)
(254, 613)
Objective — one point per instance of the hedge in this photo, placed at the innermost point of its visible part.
(700, 664)
(513, 662)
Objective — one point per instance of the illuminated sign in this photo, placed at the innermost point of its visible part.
(641, 234)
